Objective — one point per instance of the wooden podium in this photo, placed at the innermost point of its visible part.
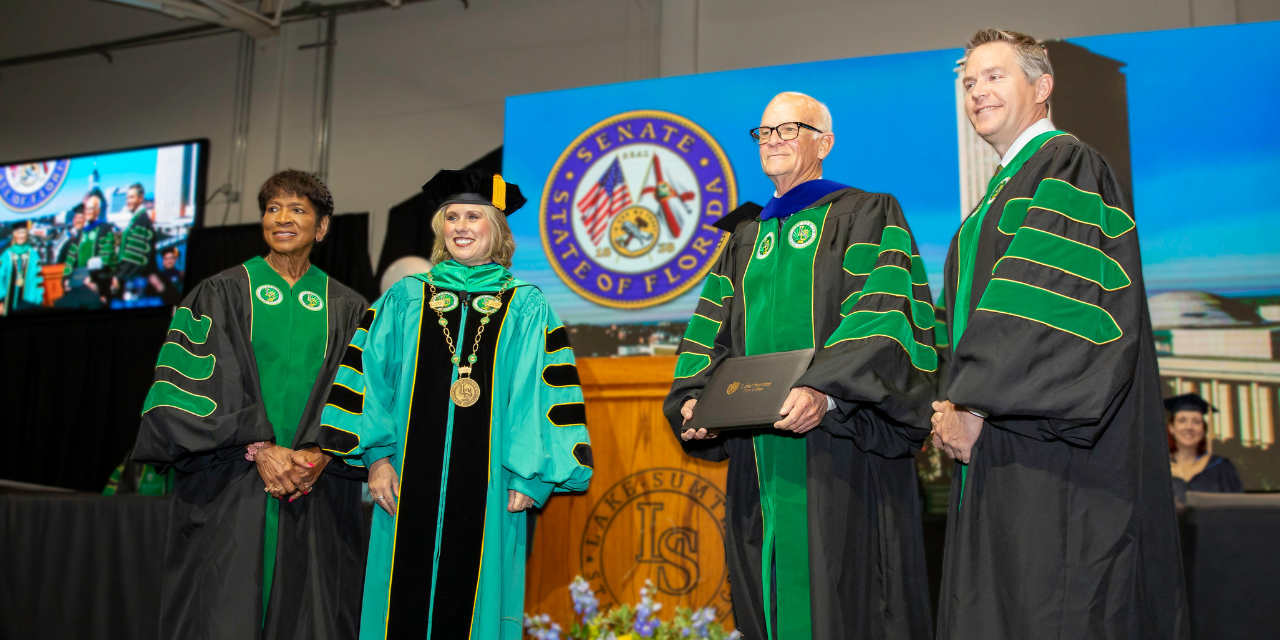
(652, 512)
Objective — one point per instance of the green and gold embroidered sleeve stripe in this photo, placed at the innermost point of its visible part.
(1051, 309)
(918, 275)
(1015, 211)
(702, 331)
(717, 289)
(893, 280)
(849, 303)
(893, 325)
(1078, 259)
(135, 245)
(175, 357)
(184, 322)
(895, 238)
(860, 259)
(1063, 198)
(189, 365)
(691, 364)
(166, 394)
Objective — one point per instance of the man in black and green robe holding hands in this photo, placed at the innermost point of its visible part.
(822, 524)
(1061, 520)
(266, 538)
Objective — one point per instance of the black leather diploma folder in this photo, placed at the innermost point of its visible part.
(748, 392)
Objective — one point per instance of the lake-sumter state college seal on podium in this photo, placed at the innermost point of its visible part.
(626, 213)
(661, 524)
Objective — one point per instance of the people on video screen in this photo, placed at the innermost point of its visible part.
(80, 259)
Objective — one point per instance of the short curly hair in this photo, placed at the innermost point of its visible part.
(293, 182)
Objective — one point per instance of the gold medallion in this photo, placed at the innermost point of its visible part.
(465, 392)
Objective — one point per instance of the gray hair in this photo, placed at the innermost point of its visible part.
(1031, 55)
(824, 114)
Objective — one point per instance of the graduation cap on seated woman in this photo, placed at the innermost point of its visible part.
(474, 187)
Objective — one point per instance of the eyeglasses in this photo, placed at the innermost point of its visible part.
(786, 131)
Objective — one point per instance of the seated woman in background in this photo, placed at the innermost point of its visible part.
(460, 394)
(1191, 459)
(266, 538)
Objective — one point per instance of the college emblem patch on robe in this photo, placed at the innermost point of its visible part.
(269, 294)
(444, 301)
(766, 246)
(803, 234)
(486, 304)
(311, 300)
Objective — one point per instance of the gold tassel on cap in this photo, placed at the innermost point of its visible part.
(499, 192)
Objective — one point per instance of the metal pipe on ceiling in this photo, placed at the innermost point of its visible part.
(305, 11)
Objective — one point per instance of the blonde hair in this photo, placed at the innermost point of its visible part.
(500, 250)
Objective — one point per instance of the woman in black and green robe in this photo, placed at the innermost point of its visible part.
(265, 534)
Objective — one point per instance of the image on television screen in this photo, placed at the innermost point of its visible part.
(99, 231)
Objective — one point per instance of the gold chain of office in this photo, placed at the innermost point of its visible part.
(464, 392)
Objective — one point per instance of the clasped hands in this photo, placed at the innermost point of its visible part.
(286, 472)
(955, 430)
(802, 411)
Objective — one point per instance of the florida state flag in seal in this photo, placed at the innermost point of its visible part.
(627, 210)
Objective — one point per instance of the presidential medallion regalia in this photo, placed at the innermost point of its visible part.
(450, 564)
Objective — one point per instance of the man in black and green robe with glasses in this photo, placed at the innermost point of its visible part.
(1061, 521)
(823, 530)
(266, 538)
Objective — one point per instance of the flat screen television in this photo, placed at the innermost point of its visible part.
(104, 230)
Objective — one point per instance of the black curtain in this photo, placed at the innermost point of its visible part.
(344, 254)
(71, 388)
(84, 567)
(73, 382)
(409, 223)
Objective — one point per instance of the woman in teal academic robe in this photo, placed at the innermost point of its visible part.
(20, 286)
(460, 394)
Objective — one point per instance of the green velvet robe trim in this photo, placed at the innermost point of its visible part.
(290, 335)
(778, 295)
(967, 247)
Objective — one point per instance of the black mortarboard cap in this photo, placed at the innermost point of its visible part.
(746, 212)
(474, 187)
(1188, 402)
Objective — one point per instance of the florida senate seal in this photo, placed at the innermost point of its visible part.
(627, 211)
(31, 185)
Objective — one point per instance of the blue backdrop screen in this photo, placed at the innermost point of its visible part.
(622, 179)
